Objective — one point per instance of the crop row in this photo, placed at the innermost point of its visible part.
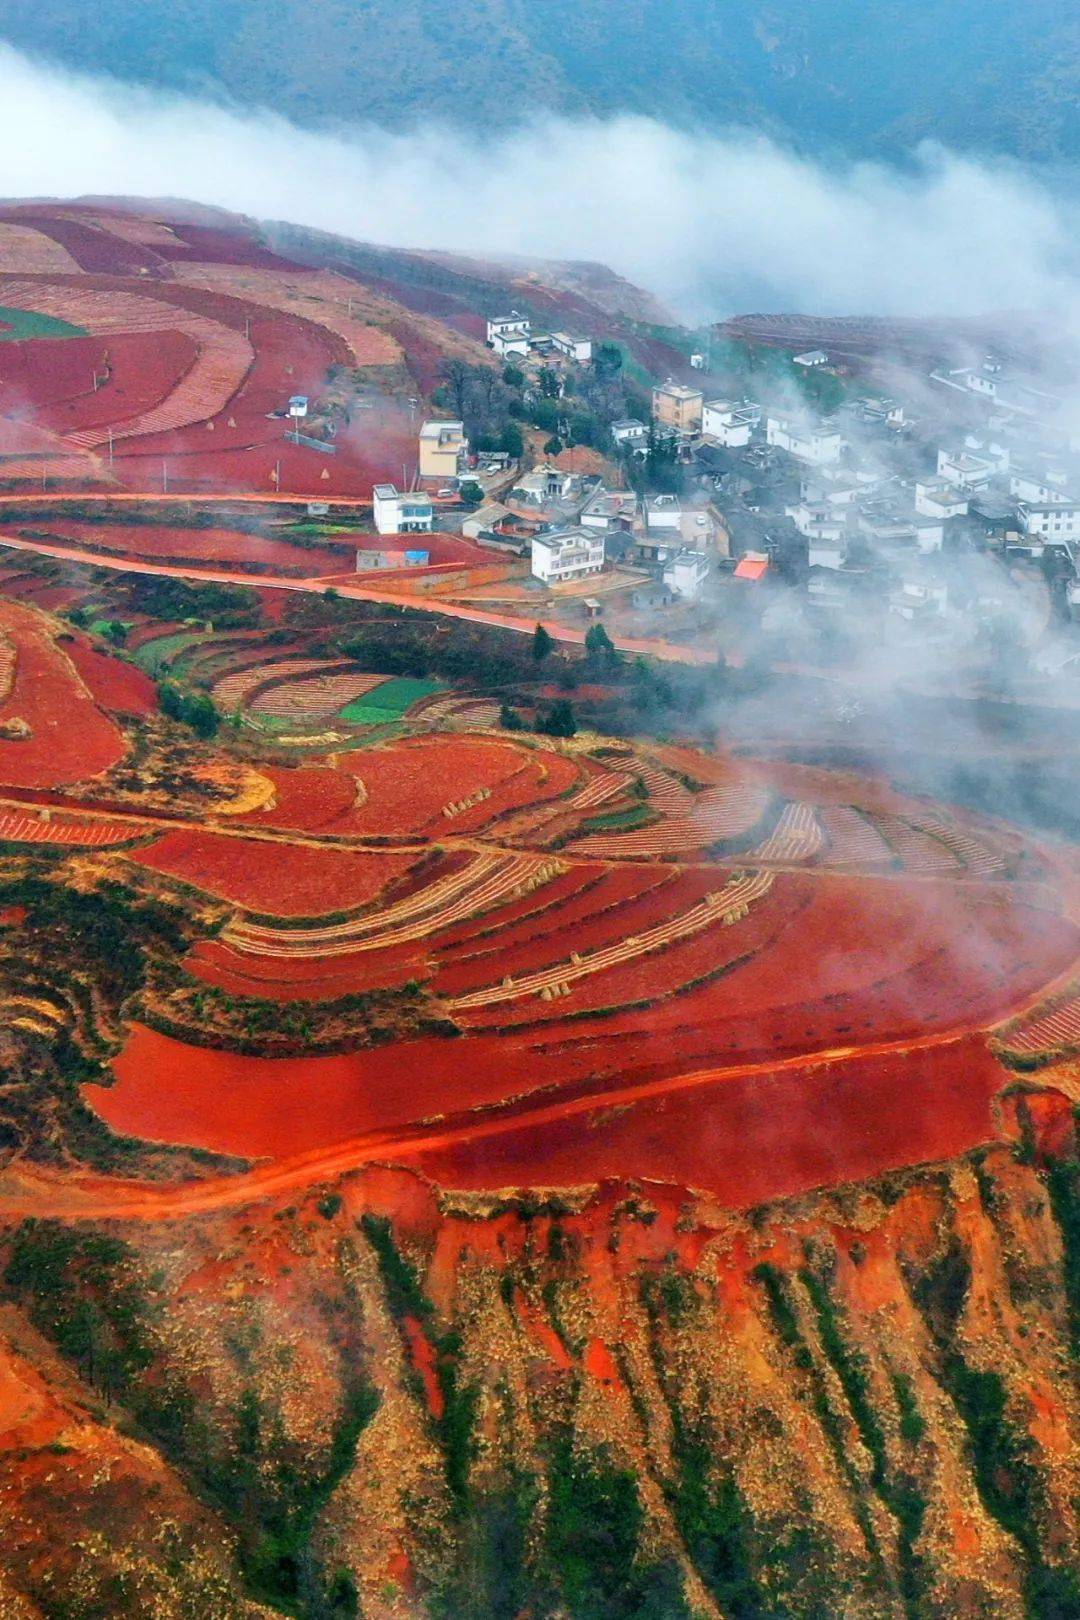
(487, 879)
(797, 836)
(85, 834)
(723, 907)
(718, 813)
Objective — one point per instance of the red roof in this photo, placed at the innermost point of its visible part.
(752, 568)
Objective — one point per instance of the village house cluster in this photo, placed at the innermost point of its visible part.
(916, 503)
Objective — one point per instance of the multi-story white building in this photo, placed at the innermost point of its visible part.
(731, 425)
(513, 326)
(817, 445)
(567, 554)
(401, 513)
(686, 573)
(1055, 523)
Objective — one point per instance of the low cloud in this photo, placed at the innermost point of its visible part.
(713, 222)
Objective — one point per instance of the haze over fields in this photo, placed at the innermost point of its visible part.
(713, 221)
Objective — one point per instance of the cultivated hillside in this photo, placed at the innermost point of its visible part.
(1002, 77)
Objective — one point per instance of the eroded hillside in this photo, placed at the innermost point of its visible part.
(380, 1399)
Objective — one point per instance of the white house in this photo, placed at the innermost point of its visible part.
(686, 574)
(935, 499)
(541, 486)
(929, 534)
(630, 434)
(574, 348)
(812, 360)
(502, 325)
(1040, 489)
(729, 424)
(663, 513)
(919, 596)
(818, 520)
(566, 555)
(400, 513)
(511, 341)
(828, 553)
(609, 510)
(1053, 523)
(964, 470)
(817, 445)
(982, 380)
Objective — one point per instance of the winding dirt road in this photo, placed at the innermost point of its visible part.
(665, 651)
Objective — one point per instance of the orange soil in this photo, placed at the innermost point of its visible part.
(70, 738)
(288, 880)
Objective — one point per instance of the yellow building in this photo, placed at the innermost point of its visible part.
(676, 406)
(443, 447)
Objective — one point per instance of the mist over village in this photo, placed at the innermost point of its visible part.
(539, 800)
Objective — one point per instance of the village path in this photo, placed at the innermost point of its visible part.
(665, 651)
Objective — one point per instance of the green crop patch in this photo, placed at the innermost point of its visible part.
(18, 324)
(388, 701)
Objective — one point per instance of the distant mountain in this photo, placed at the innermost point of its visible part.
(825, 73)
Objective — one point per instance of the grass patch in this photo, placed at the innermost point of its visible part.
(154, 656)
(19, 324)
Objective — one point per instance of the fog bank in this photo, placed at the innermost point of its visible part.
(713, 222)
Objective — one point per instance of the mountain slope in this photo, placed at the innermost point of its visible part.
(614, 1403)
(1001, 77)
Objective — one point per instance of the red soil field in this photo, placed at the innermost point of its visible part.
(304, 978)
(311, 798)
(138, 371)
(156, 542)
(119, 687)
(70, 738)
(95, 251)
(287, 880)
(609, 908)
(409, 784)
(744, 1137)
(855, 968)
(478, 933)
(748, 1140)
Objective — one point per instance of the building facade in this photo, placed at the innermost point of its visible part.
(443, 448)
(571, 554)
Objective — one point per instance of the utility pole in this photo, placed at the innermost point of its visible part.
(164, 478)
(110, 447)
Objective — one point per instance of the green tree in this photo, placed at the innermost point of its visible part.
(584, 428)
(554, 446)
(559, 720)
(542, 644)
(545, 415)
(599, 647)
(509, 719)
(513, 377)
(607, 361)
(512, 441)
